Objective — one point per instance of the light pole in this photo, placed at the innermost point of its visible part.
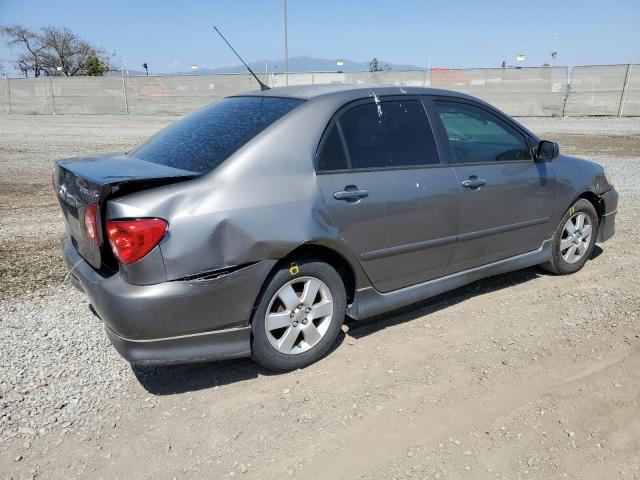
(286, 47)
(554, 53)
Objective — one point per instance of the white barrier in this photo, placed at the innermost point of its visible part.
(541, 91)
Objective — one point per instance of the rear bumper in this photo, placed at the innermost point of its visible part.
(200, 347)
(177, 321)
(607, 227)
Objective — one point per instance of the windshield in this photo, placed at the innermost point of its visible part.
(203, 140)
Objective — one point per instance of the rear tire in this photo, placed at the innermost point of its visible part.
(574, 239)
(298, 316)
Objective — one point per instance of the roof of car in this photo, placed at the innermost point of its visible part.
(307, 92)
(335, 94)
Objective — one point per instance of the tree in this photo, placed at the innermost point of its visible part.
(55, 51)
(94, 67)
(63, 48)
(30, 59)
(374, 66)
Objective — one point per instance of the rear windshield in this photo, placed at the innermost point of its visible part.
(203, 140)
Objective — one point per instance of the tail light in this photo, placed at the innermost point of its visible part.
(131, 240)
(91, 222)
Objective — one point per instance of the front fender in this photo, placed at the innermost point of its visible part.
(575, 177)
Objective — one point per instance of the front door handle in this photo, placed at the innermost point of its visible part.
(351, 195)
(474, 183)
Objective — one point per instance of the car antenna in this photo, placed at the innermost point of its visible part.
(263, 87)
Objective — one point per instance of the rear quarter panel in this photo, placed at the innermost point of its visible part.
(261, 203)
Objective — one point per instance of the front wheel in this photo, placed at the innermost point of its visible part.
(299, 316)
(574, 239)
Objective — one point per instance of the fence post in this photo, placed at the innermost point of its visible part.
(7, 93)
(567, 90)
(427, 74)
(625, 87)
(53, 98)
(124, 93)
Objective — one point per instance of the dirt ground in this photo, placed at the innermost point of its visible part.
(523, 375)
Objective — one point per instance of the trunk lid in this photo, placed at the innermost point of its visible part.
(80, 181)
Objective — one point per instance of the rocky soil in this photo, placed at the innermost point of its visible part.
(524, 375)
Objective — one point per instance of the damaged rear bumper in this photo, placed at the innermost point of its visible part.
(199, 347)
(176, 321)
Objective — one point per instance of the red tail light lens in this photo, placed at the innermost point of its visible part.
(131, 240)
(91, 223)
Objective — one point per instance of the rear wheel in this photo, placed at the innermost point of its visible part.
(574, 239)
(299, 316)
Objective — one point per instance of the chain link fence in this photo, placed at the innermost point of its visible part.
(610, 90)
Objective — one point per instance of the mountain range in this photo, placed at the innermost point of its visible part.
(303, 64)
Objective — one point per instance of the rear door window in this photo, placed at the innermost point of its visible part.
(332, 155)
(384, 134)
(477, 136)
(203, 140)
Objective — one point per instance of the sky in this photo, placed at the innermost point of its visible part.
(172, 35)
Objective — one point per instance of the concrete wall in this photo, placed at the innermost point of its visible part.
(596, 90)
(520, 92)
(542, 91)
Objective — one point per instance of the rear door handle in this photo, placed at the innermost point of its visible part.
(475, 183)
(351, 195)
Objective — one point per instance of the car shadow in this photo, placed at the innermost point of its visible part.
(176, 379)
(171, 380)
(362, 328)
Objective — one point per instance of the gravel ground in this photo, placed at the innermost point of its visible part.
(523, 375)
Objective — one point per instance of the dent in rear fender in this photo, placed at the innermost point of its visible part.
(222, 239)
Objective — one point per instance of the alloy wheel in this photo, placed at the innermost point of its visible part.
(299, 315)
(576, 237)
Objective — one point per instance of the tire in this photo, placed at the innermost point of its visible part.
(285, 338)
(562, 262)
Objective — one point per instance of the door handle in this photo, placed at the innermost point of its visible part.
(351, 195)
(474, 183)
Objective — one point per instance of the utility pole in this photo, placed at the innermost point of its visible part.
(286, 47)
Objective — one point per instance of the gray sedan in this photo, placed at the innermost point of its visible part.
(253, 226)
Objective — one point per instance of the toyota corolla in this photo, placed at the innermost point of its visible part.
(253, 226)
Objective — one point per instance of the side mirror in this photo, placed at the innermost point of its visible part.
(547, 151)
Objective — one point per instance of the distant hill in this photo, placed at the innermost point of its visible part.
(303, 64)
